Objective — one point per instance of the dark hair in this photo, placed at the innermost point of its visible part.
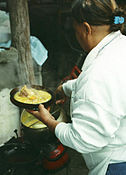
(97, 12)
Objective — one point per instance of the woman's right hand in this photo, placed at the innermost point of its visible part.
(60, 95)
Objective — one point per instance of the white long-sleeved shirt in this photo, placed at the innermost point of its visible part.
(98, 106)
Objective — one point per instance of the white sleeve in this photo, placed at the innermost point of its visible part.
(91, 129)
(68, 87)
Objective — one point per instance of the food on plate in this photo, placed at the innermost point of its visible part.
(32, 96)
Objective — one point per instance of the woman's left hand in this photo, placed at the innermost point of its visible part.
(43, 115)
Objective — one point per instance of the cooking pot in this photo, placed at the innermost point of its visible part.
(35, 131)
(18, 154)
(31, 106)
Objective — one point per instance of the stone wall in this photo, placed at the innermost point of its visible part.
(8, 68)
(9, 113)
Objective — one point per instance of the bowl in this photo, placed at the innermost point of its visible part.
(31, 106)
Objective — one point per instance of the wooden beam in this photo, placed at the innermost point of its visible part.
(20, 29)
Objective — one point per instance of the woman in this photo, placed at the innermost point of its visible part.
(98, 95)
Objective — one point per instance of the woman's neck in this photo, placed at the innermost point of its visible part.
(98, 33)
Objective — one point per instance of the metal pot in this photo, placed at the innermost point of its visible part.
(35, 131)
(18, 154)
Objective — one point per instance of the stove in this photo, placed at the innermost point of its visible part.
(32, 170)
(51, 157)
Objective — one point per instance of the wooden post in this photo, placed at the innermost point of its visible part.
(20, 29)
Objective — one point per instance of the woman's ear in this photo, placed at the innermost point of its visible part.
(87, 28)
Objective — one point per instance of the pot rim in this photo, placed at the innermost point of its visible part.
(42, 128)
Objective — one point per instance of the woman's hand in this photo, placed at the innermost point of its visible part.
(60, 95)
(43, 115)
